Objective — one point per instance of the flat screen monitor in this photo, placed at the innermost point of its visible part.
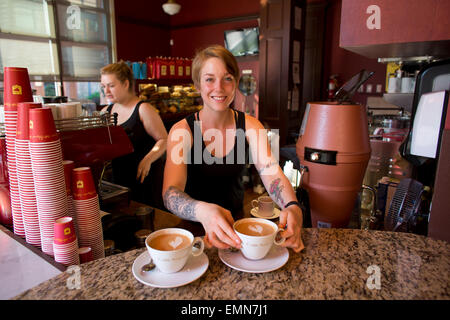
(428, 124)
(242, 42)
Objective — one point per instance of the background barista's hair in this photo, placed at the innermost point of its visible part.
(215, 51)
(122, 71)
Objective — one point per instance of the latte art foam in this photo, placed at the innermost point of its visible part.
(169, 242)
(252, 228)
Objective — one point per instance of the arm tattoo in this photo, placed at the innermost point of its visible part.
(275, 189)
(180, 204)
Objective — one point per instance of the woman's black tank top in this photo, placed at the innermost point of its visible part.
(124, 169)
(218, 180)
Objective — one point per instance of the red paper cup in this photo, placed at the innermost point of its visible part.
(85, 254)
(69, 165)
(17, 86)
(64, 230)
(23, 119)
(42, 126)
(83, 186)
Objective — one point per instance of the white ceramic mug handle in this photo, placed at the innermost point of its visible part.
(198, 251)
(255, 203)
(282, 239)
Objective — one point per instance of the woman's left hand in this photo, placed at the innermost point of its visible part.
(143, 169)
(292, 216)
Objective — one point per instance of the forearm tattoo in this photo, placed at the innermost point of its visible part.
(180, 204)
(275, 190)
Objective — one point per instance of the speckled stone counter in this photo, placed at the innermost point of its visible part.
(334, 265)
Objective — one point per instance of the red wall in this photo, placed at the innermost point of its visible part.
(198, 11)
(142, 29)
(346, 63)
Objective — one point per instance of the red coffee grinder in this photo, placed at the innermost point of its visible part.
(334, 150)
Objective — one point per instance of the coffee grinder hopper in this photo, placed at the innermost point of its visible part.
(346, 92)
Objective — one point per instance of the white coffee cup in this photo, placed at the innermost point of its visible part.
(256, 247)
(171, 261)
(265, 206)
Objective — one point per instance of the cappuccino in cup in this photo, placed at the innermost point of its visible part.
(171, 248)
(257, 236)
(264, 205)
(252, 228)
(170, 241)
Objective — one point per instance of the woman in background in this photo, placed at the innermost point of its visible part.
(203, 177)
(142, 170)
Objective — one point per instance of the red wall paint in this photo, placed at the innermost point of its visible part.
(136, 42)
(346, 63)
(142, 29)
(149, 36)
(195, 11)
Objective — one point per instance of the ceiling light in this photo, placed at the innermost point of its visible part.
(171, 7)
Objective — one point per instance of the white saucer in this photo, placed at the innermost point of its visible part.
(276, 213)
(194, 269)
(275, 259)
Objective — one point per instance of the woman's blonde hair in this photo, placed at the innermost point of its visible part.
(215, 51)
(122, 71)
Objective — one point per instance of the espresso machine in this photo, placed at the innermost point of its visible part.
(93, 142)
(427, 146)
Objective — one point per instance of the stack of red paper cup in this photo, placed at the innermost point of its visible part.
(48, 174)
(69, 165)
(16, 89)
(25, 175)
(85, 254)
(65, 244)
(87, 210)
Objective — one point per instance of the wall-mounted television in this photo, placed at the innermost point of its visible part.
(242, 42)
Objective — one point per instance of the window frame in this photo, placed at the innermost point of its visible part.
(58, 40)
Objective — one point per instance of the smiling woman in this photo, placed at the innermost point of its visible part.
(208, 187)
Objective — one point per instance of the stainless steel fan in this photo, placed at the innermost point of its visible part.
(404, 206)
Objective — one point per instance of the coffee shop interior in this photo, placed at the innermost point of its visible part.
(354, 95)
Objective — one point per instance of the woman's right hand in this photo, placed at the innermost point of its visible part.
(218, 225)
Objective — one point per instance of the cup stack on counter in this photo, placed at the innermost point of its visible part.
(27, 193)
(69, 165)
(87, 211)
(48, 174)
(54, 205)
(16, 89)
(65, 244)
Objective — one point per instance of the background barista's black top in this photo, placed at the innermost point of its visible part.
(222, 181)
(124, 169)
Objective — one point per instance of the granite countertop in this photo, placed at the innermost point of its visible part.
(334, 265)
